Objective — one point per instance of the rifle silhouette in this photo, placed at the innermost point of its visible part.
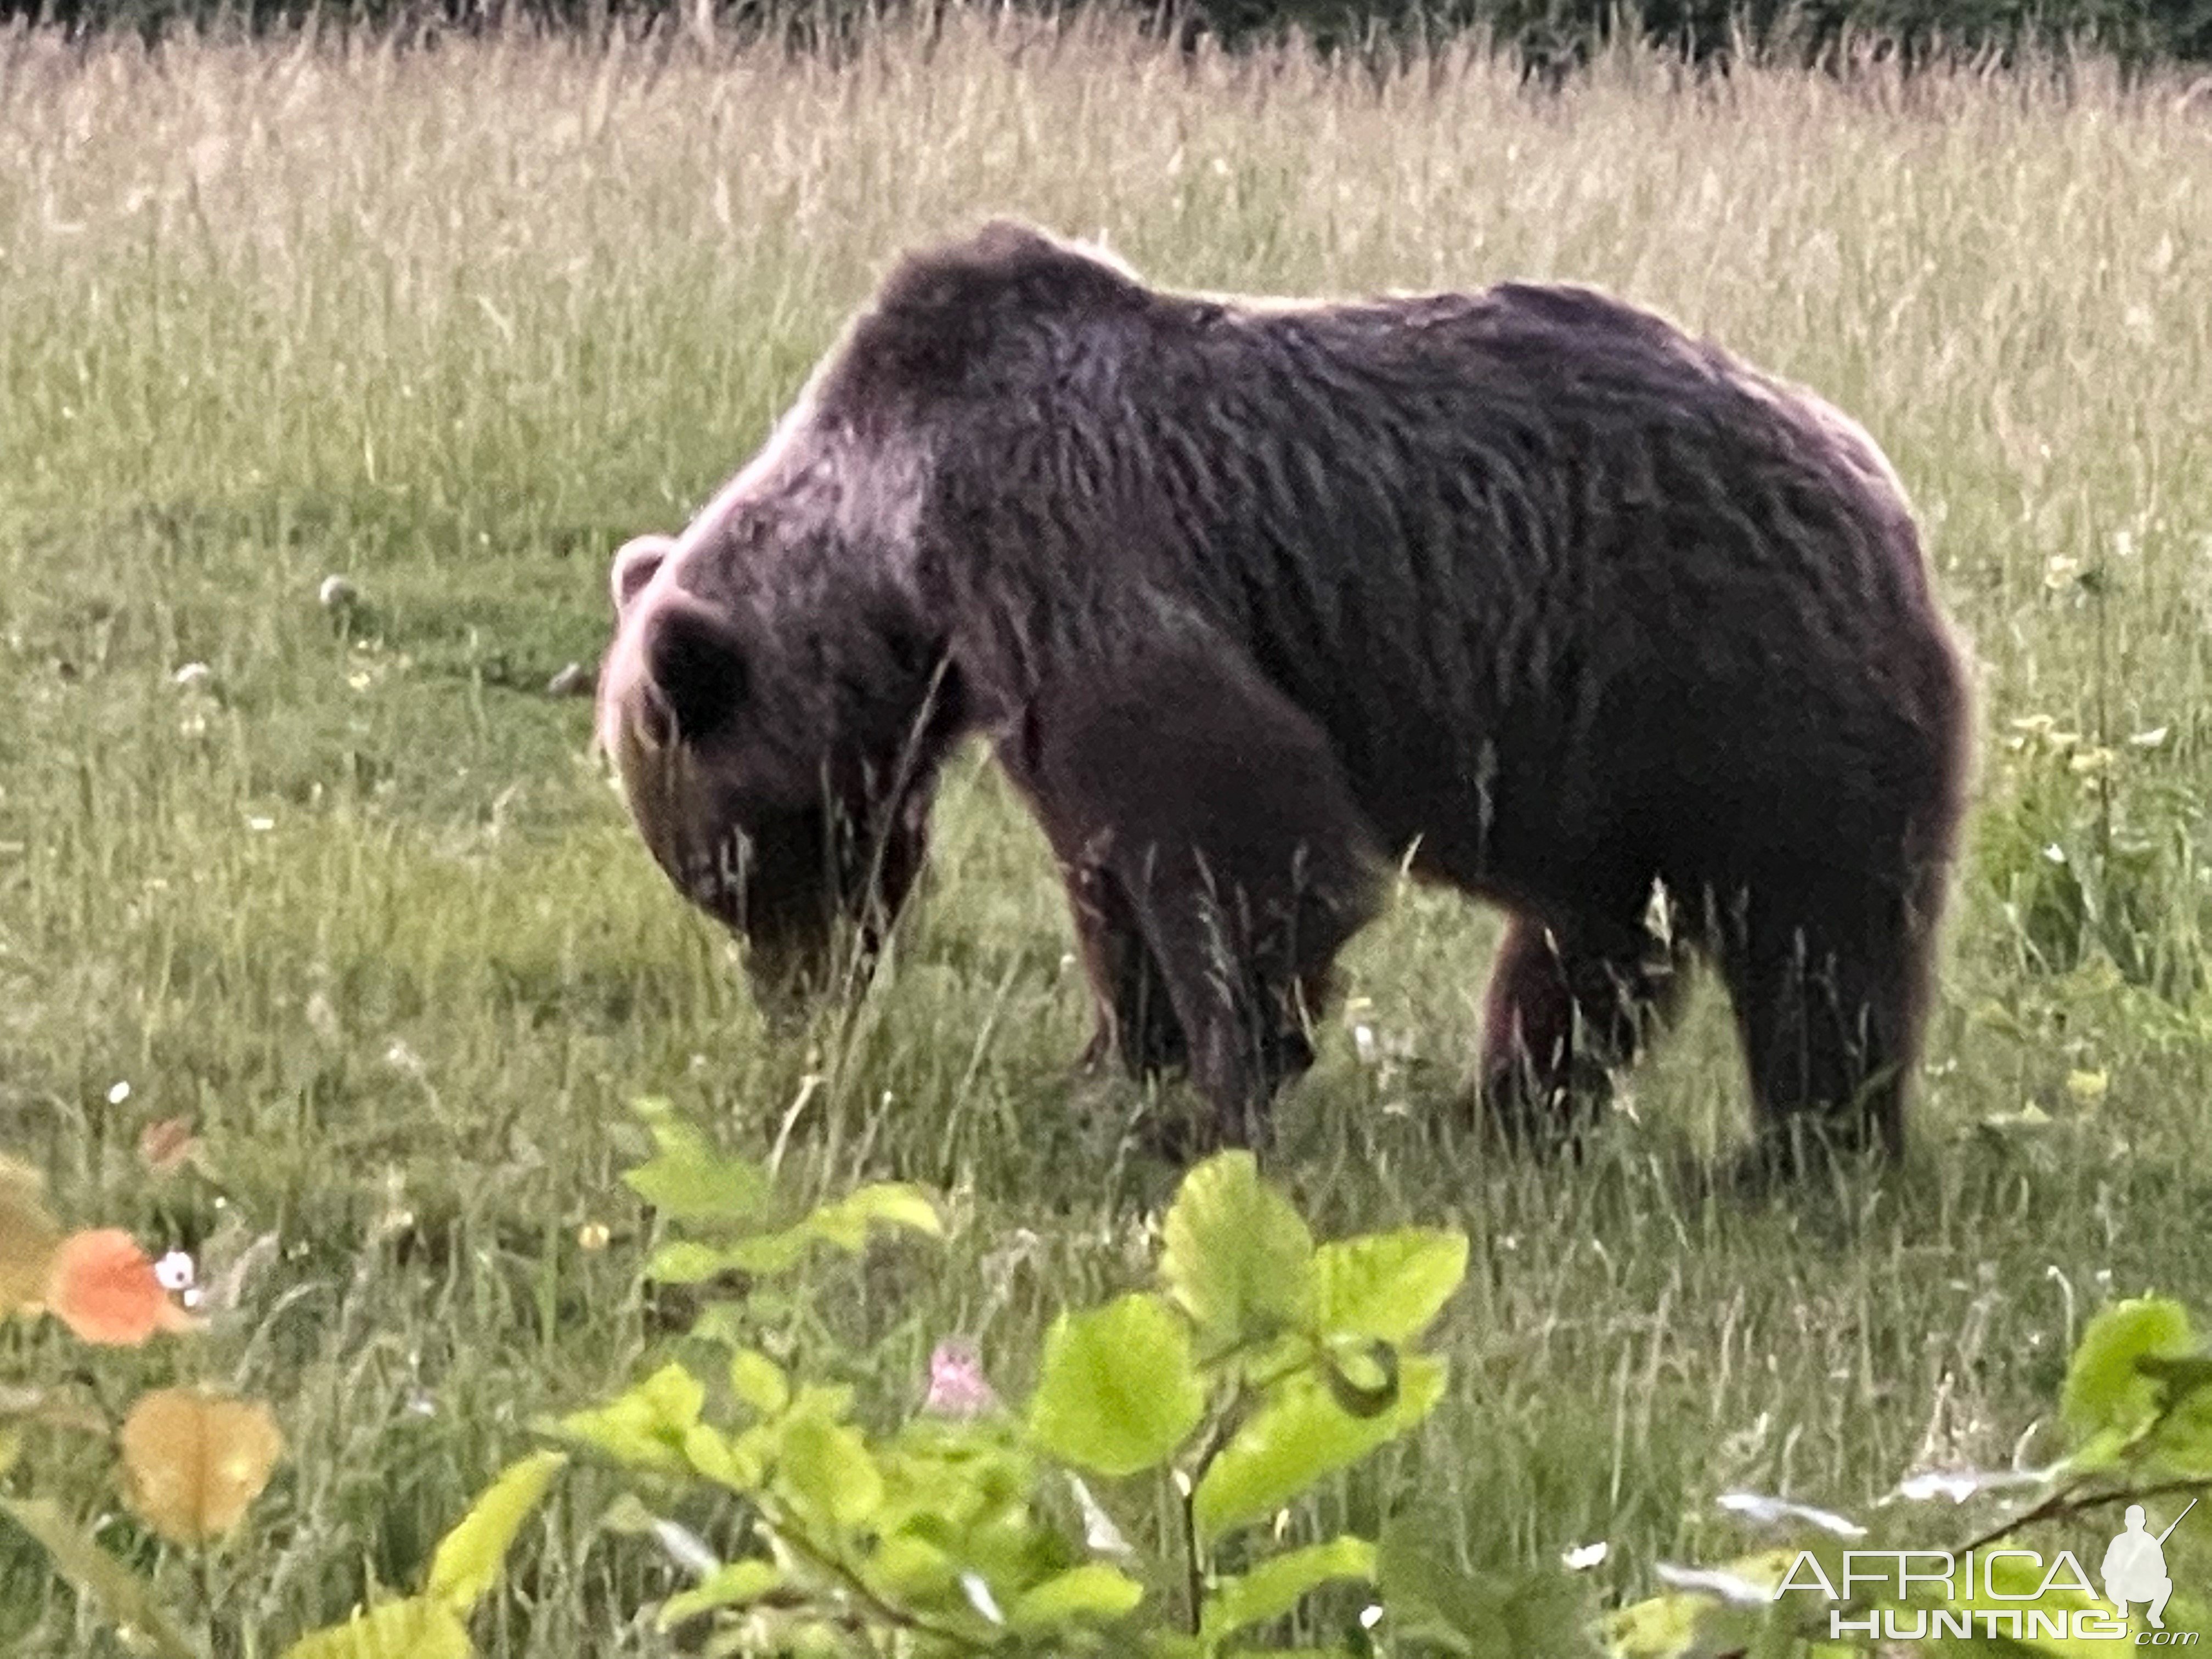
(2168, 1533)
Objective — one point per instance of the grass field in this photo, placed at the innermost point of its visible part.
(452, 323)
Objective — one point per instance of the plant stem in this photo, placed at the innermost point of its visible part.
(2067, 1503)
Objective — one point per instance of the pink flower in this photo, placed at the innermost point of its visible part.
(957, 1387)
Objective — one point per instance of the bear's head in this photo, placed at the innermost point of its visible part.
(776, 738)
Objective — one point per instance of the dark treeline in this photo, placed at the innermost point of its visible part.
(1551, 36)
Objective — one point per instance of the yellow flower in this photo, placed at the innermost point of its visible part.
(2087, 1087)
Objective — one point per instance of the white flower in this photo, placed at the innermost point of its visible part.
(175, 1272)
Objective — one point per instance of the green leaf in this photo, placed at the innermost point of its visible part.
(1670, 1626)
(736, 1585)
(467, 1558)
(686, 1261)
(645, 1428)
(1119, 1390)
(1508, 1616)
(1273, 1588)
(2108, 1397)
(891, 1204)
(1387, 1286)
(759, 1381)
(826, 1467)
(1239, 1259)
(738, 1462)
(1298, 1436)
(1093, 1592)
(687, 1180)
(418, 1628)
(122, 1594)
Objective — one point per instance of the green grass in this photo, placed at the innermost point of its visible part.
(455, 323)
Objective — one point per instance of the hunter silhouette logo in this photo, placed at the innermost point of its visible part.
(2135, 1567)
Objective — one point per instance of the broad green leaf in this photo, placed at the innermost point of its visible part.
(126, 1598)
(1091, 1592)
(645, 1427)
(420, 1628)
(759, 1381)
(687, 1180)
(913, 1569)
(1120, 1391)
(2182, 1444)
(1362, 1374)
(686, 1261)
(769, 1254)
(2006, 1585)
(1239, 1259)
(845, 1223)
(826, 1467)
(1488, 1616)
(469, 1557)
(1388, 1286)
(1670, 1626)
(2106, 1396)
(1274, 1587)
(1299, 1435)
(737, 1461)
(736, 1585)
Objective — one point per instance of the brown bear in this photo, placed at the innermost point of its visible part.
(1257, 600)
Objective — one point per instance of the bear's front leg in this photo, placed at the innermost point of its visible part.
(1223, 854)
(1136, 1025)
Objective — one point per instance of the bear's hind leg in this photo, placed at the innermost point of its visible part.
(1560, 1012)
(1828, 987)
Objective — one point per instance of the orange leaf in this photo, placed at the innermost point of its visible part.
(28, 1237)
(102, 1286)
(193, 1462)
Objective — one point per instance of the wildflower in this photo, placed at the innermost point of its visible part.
(2088, 1087)
(957, 1387)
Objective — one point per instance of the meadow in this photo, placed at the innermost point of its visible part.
(357, 901)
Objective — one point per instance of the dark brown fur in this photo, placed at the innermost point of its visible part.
(1255, 598)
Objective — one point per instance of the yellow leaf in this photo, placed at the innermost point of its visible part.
(28, 1237)
(418, 1628)
(193, 1462)
(467, 1558)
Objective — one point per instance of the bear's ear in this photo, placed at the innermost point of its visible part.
(696, 662)
(634, 565)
